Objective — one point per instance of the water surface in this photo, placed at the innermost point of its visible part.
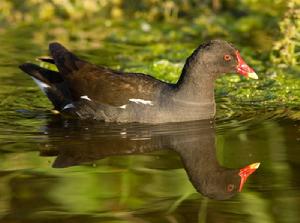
(57, 169)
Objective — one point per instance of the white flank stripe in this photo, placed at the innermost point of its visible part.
(140, 101)
(68, 106)
(123, 106)
(86, 97)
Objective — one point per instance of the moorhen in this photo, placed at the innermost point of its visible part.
(87, 91)
(194, 142)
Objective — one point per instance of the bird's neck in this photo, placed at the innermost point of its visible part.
(195, 85)
(194, 92)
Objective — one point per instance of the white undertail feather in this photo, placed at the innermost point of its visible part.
(43, 86)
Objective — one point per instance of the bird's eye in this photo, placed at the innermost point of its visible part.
(227, 57)
(230, 187)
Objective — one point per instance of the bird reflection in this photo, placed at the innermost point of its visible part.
(194, 142)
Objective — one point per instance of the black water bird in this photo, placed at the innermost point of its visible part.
(86, 91)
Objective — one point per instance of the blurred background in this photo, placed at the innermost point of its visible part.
(257, 120)
(127, 34)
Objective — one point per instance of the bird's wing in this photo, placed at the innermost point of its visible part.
(101, 84)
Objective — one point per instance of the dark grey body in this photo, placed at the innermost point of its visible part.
(87, 91)
(162, 110)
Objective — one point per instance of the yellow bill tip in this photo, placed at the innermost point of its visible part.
(253, 75)
(254, 165)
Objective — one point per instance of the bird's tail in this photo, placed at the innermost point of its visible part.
(66, 62)
(51, 83)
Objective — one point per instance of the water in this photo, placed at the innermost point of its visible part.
(57, 169)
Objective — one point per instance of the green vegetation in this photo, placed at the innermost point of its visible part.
(286, 49)
(154, 37)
